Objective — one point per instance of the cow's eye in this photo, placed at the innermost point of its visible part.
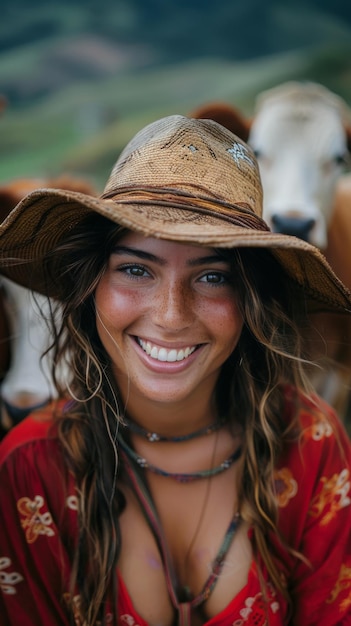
(337, 161)
(342, 159)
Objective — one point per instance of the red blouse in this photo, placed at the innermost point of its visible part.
(38, 521)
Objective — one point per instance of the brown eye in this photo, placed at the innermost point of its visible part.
(135, 271)
(215, 278)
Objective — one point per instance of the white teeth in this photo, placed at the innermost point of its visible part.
(172, 356)
(162, 354)
(154, 352)
(180, 355)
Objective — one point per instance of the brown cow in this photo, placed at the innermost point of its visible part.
(13, 191)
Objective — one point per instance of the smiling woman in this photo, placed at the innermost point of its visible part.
(169, 483)
(168, 318)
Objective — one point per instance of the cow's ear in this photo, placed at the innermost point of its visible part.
(224, 114)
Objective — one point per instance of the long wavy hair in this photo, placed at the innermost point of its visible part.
(268, 356)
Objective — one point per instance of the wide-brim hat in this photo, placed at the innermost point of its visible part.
(180, 179)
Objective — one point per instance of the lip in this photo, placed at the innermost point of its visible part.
(164, 365)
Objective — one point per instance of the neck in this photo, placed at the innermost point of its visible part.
(172, 419)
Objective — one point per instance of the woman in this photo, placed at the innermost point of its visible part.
(192, 476)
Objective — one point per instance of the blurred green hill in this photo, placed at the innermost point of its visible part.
(81, 77)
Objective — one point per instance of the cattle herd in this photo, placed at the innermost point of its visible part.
(301, 135)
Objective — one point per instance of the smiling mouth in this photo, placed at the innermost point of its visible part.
(163, 354)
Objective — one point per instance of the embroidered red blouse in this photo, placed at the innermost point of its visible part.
(38, 526)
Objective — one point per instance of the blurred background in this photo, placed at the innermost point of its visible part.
(79, 78)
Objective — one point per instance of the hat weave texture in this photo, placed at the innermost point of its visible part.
(180, 179)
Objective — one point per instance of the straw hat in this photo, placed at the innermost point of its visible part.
(180, 179)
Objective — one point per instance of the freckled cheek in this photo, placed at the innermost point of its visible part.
(117, 309)
(226, 319)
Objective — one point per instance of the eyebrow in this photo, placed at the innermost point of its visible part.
(148, 256)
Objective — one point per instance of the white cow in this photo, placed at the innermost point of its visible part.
(27, 383)
(300, 134)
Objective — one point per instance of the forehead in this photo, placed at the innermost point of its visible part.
(163, 247)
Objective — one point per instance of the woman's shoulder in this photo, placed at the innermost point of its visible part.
(314, 467)
(313, 494)
(37, 427)
(315, 457)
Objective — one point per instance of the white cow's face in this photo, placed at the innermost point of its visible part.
(28, 382)
(27, 376)
(301, 150)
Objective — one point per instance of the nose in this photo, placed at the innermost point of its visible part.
(173, 307)
(292, 225)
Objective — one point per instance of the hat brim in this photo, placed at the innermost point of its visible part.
(46, 216)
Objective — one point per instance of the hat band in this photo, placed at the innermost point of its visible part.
(239, 214)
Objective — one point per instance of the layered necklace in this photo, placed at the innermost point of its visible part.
(152, 436)
(179, 477)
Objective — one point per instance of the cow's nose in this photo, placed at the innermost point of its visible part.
(292, 225)
(16, 414)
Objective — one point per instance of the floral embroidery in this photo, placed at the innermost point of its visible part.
(75, 607)
(285, 486)
(239, 153)
(8, 579)
(128, 619)
(319, 429)
(254, 611)
(72, 503)
(343, 582)
(334, 495)
(34, 522)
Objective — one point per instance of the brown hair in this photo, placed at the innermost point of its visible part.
(267, 357)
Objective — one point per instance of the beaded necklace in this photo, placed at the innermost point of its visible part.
(179, 477)
(152, 436)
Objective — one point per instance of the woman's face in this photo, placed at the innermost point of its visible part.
(168, 317)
